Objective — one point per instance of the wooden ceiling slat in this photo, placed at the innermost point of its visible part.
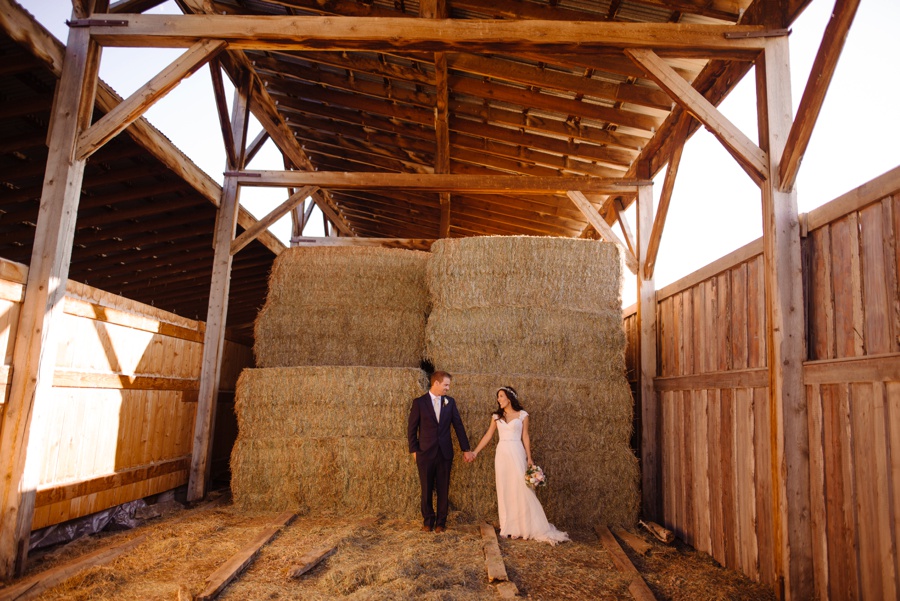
(364, 62)
(564, 106)
(289, 73)
(569, 128)
(500, 69)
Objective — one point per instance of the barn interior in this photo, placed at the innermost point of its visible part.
(754, 379)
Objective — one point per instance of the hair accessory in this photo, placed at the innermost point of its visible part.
(509, 391)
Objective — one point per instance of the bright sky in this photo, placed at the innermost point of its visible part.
(715, 207)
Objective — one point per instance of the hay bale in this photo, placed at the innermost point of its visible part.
(325, 438)
(344, 306)
(579, 430)
(525, 271)
(526, 340)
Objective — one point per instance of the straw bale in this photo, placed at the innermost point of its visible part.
(580, 431)
(315, 438)
(344, 306)
(525, 271)
(525, 340)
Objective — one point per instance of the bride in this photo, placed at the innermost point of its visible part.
(521, 514)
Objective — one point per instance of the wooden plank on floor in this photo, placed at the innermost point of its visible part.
(230, 570)
(34, 586)
(638, 588)
(311, 560)
(492, 559)
(637, 544)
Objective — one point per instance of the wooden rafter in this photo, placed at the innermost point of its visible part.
(215, 73)
(666, 196)
(602, 227)
(449, 35)
(814, 94)
(277, 213)
(410, 243)
(435, 182)
(544, 78)
(747, 154)
(137, 104)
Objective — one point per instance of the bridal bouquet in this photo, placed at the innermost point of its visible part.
(534, 476)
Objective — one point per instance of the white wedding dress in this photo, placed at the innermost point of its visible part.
(521, 514)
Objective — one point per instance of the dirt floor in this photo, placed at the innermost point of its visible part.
(375, 559)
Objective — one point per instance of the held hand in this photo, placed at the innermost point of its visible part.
(469, 456)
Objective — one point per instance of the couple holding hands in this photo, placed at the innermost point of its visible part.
(430, 418)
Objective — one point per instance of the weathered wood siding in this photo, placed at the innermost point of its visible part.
(124, 398)
(717, 473)
(853, 391)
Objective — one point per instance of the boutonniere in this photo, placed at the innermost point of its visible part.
(445, 402)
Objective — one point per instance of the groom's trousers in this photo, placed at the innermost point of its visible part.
(434, 476)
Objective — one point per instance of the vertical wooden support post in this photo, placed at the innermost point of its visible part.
(214, 338)
(651, 493)
(22, 440)
(785, 332)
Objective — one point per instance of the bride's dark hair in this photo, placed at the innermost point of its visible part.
(513, 397)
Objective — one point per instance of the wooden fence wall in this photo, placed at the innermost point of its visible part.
(716, 439)
(120, 423)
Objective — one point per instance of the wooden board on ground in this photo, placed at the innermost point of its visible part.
(222, 577)
(638, 588)
(639, 545)
(492, 558)
(311, 560)
(658, 531)
(32, 587)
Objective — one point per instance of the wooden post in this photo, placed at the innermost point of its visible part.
(214, 338)
(646, 316)
(786, 339)
(21, 440)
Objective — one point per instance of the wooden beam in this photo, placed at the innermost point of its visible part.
(116, 120)
(232, 568)
(34, 586)
(814, 94)
(785, 336)
(310, 560)
(637, 587)
(277, 213)
(20, 26)
(218, 85)
(750, 157)
(493, 560)
(665, 197)
(133, 6)
(625, 227)
(247, 32)
(603, 228)
(651, 464)
(410, 243)
(434, 183)
(41, 313)
(256, 145)
(214, 337)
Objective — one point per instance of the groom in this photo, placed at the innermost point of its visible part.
(429, 442)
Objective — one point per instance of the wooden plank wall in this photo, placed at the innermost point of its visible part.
(124, 398)
(853, 391)
(716, 447)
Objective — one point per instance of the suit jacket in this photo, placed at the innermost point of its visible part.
(425, 432)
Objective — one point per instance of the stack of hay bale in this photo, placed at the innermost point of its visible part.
(322, 420)
(544, 316)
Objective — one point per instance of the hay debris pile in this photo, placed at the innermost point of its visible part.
(544, 316)
(322, 422)
(344, 306)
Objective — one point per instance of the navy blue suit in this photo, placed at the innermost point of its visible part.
(430, 440)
